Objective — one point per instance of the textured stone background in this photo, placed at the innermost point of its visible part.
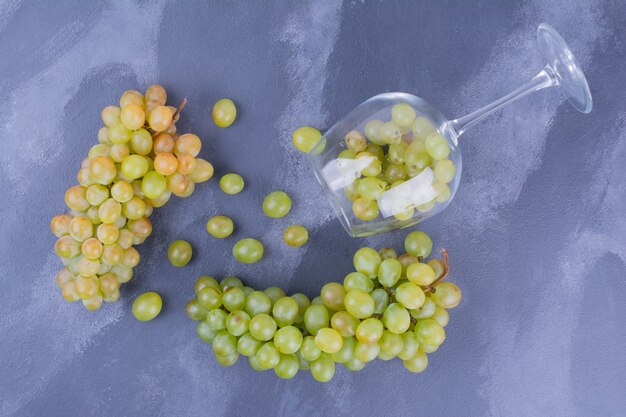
(536, 233)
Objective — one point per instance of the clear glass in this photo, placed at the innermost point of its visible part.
(420, 194)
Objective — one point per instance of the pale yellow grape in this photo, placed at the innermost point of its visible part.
(444, 171)
(421, 128)
(122, 191)
(202, 172)
(63, 276)
(344, 323)
(420, 274)
(131, 97)
(151, 105)
(443, 192)
(418, 243)
(366, 352)
(390, 133)
(188, 143)
(441, 316)
(165, 163)
(111, 115)
(118, 133)
(296, 235)
(224, 112)
(231, 183)
(141, 142)
(66, 247)
(156, 92)
(323, 368)
(153, 184)
(403, 114)
(188, 191)
(328, 340)
(371, 188)
(267, 356)
(374, 168)
(372, 130)
(160, 118)
(346, 352)
(134, 166)
(220, 226)
(359, 304)
(88, 267)
(437, 146)
(87, 287)
(417, 363)
(163, 143)
(123, 274)
(80, 228)
(69, 291)
(92, 248)
(306, 138)
(396, 153)
(140, 228)
(76, 198)
(99, 150)
(347, 154)
(365, 209)
(125, 238)
(423, 208)
(108, 283)
(355, 141)
(93, 303)
(93, 215)
(83, 177)
(276, 204)
(107, 233)
(316, 318)
(110, 211)
(391, 343)
(447, 295)
(369, 331)
(288, 339)
(133, 116)
(351, 191)
(110, 298)
(59, 225)
(366, 261)
(171, 129)
(395, 172)
(102, 170)
(130, 258)
(429, 332)
(103, 135)
(410, 295)
(357, 281)
(118, 152)
(186, 163)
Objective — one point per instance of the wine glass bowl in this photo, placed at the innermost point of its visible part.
(394, 160)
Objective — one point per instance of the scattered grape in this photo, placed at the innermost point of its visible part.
(224, 112)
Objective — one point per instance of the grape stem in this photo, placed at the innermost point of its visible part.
(180, 108)
(446, 270)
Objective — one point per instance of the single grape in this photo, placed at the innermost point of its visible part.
(306, 138)
(371, 188)
(381, 300)
(285, 311)
(92, 248)
(248, 345)
(444, 171)
(347, 154)
(102, 170)
(303, 303)
(69, 291)
(147, 306)
(396, 318)
(418, 243)
(328, 340)
(366, 352)
(395, 173)
(359, 304)
(178, 184)
(274, 293)
(421, 128)
(390, 133)
(234, 299)
(316, 318)
(186, 163)
(133, 116)
(87, 287)
(163, 142)
(351, 190)
(205, 281)
(205, 332)
(447, 295)
(354, 364)
(110, 211)
(122, 191)
(288, 339)
(108, 284)
(391, 343)
(202, 172)
(355, 141)
(389, 272)
(153, 184)
(410, 346)
(358, 281)
(437, 146)
(220, 226)
(141, 142)
(119, 134)
(229, 282)
(248, 251)
(429, 332)
(80, 228)
(372, 130)
(224, 343)
(111, 115)
(228, 360)
(323, 368)
(365, 209)
(131, 97)
(443, 192)
(134, 209)
(210, 298)
(188, 144)
(262, 327)
(76, 198)
(417, 363)
(66, 247)
(157, 93)
(93, 303)
(165, 163)
(296, 235)
(410, 295)
(375, 165)
(332, 295)
(344, 323)
(267, 356)
(287, 367)
(237, 322)
(231, 183)
(420, 274)
(403, 115)
(366, 261)
(258, 303)
(369, 330)
(346, 352)
(441, 316)
(224, 112)
(276, 204)
(160, 118)
(396, 154)
(179, 253)
(134, 166)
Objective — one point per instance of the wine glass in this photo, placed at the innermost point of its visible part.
(394, 161)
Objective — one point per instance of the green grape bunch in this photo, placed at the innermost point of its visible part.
(139, 162)
(390, 307)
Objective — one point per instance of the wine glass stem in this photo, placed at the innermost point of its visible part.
(544, 79)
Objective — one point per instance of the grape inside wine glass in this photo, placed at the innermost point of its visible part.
(394, 160)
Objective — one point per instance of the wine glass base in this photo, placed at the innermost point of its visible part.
(562, 65)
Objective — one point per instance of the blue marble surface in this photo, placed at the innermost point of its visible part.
(536, 233)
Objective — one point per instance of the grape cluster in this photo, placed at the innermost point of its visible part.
(390, 307)
(139, 163)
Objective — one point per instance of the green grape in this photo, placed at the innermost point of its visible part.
(122, 191)
(287, 367)
(403, 114)
(371, 188)
(296, 235)
(66, 247)
(205, 332)
(358, 281)
(228, 282)
(389, 272)
(381, 300)
(344, 323)
(391, 343)
(248, 345)
(332, 295)
(354, 365)
(134, 209)
(216, 319)
(347, 154)
(234, 299)
(417, 243)
(80, 228)
(417, 363)
(372, 130)
(87, 267)
(228, 360)
(224, 343)
(410, 295)
(306, 138)
(195, 311)
(274, 293)
(423, 208)
(110, 211)
(441, 316)
(437, 146)
(351, 190)
(237, 322)
(141, 142)
(421, 128)
(395, 172)
(409, 346)
(254, 363)
(262, 327)
(303, 303)
(59, 225)
(147, 306)
(267, 356)
(153, 184)
(220, 226)
(416, 158)
(258, 303)
(323, 368)
(365, 209)
(369, 331)
(248, 251)
(247, 290)
(309, 350)
(97, 194)
(390, 133)
(388, 253)
(429, 332)
(444, 171)
(366, 352)
(179, 253)
(396, 318)
(328, 340)
(366, 261)
(285, 311)
(359, 303)
(375, 165)
(420, 274)
(443, 192)
(407, 260)
(224, 112)
(231, 183)
(92, 248)
(276, 204)
(205, 281)
(123, 274)
(111, 115)
(134, 166)
(316, 318)
(288, 339)
(447, 295)
(346, 352)
(86, 287)
(428, 348)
